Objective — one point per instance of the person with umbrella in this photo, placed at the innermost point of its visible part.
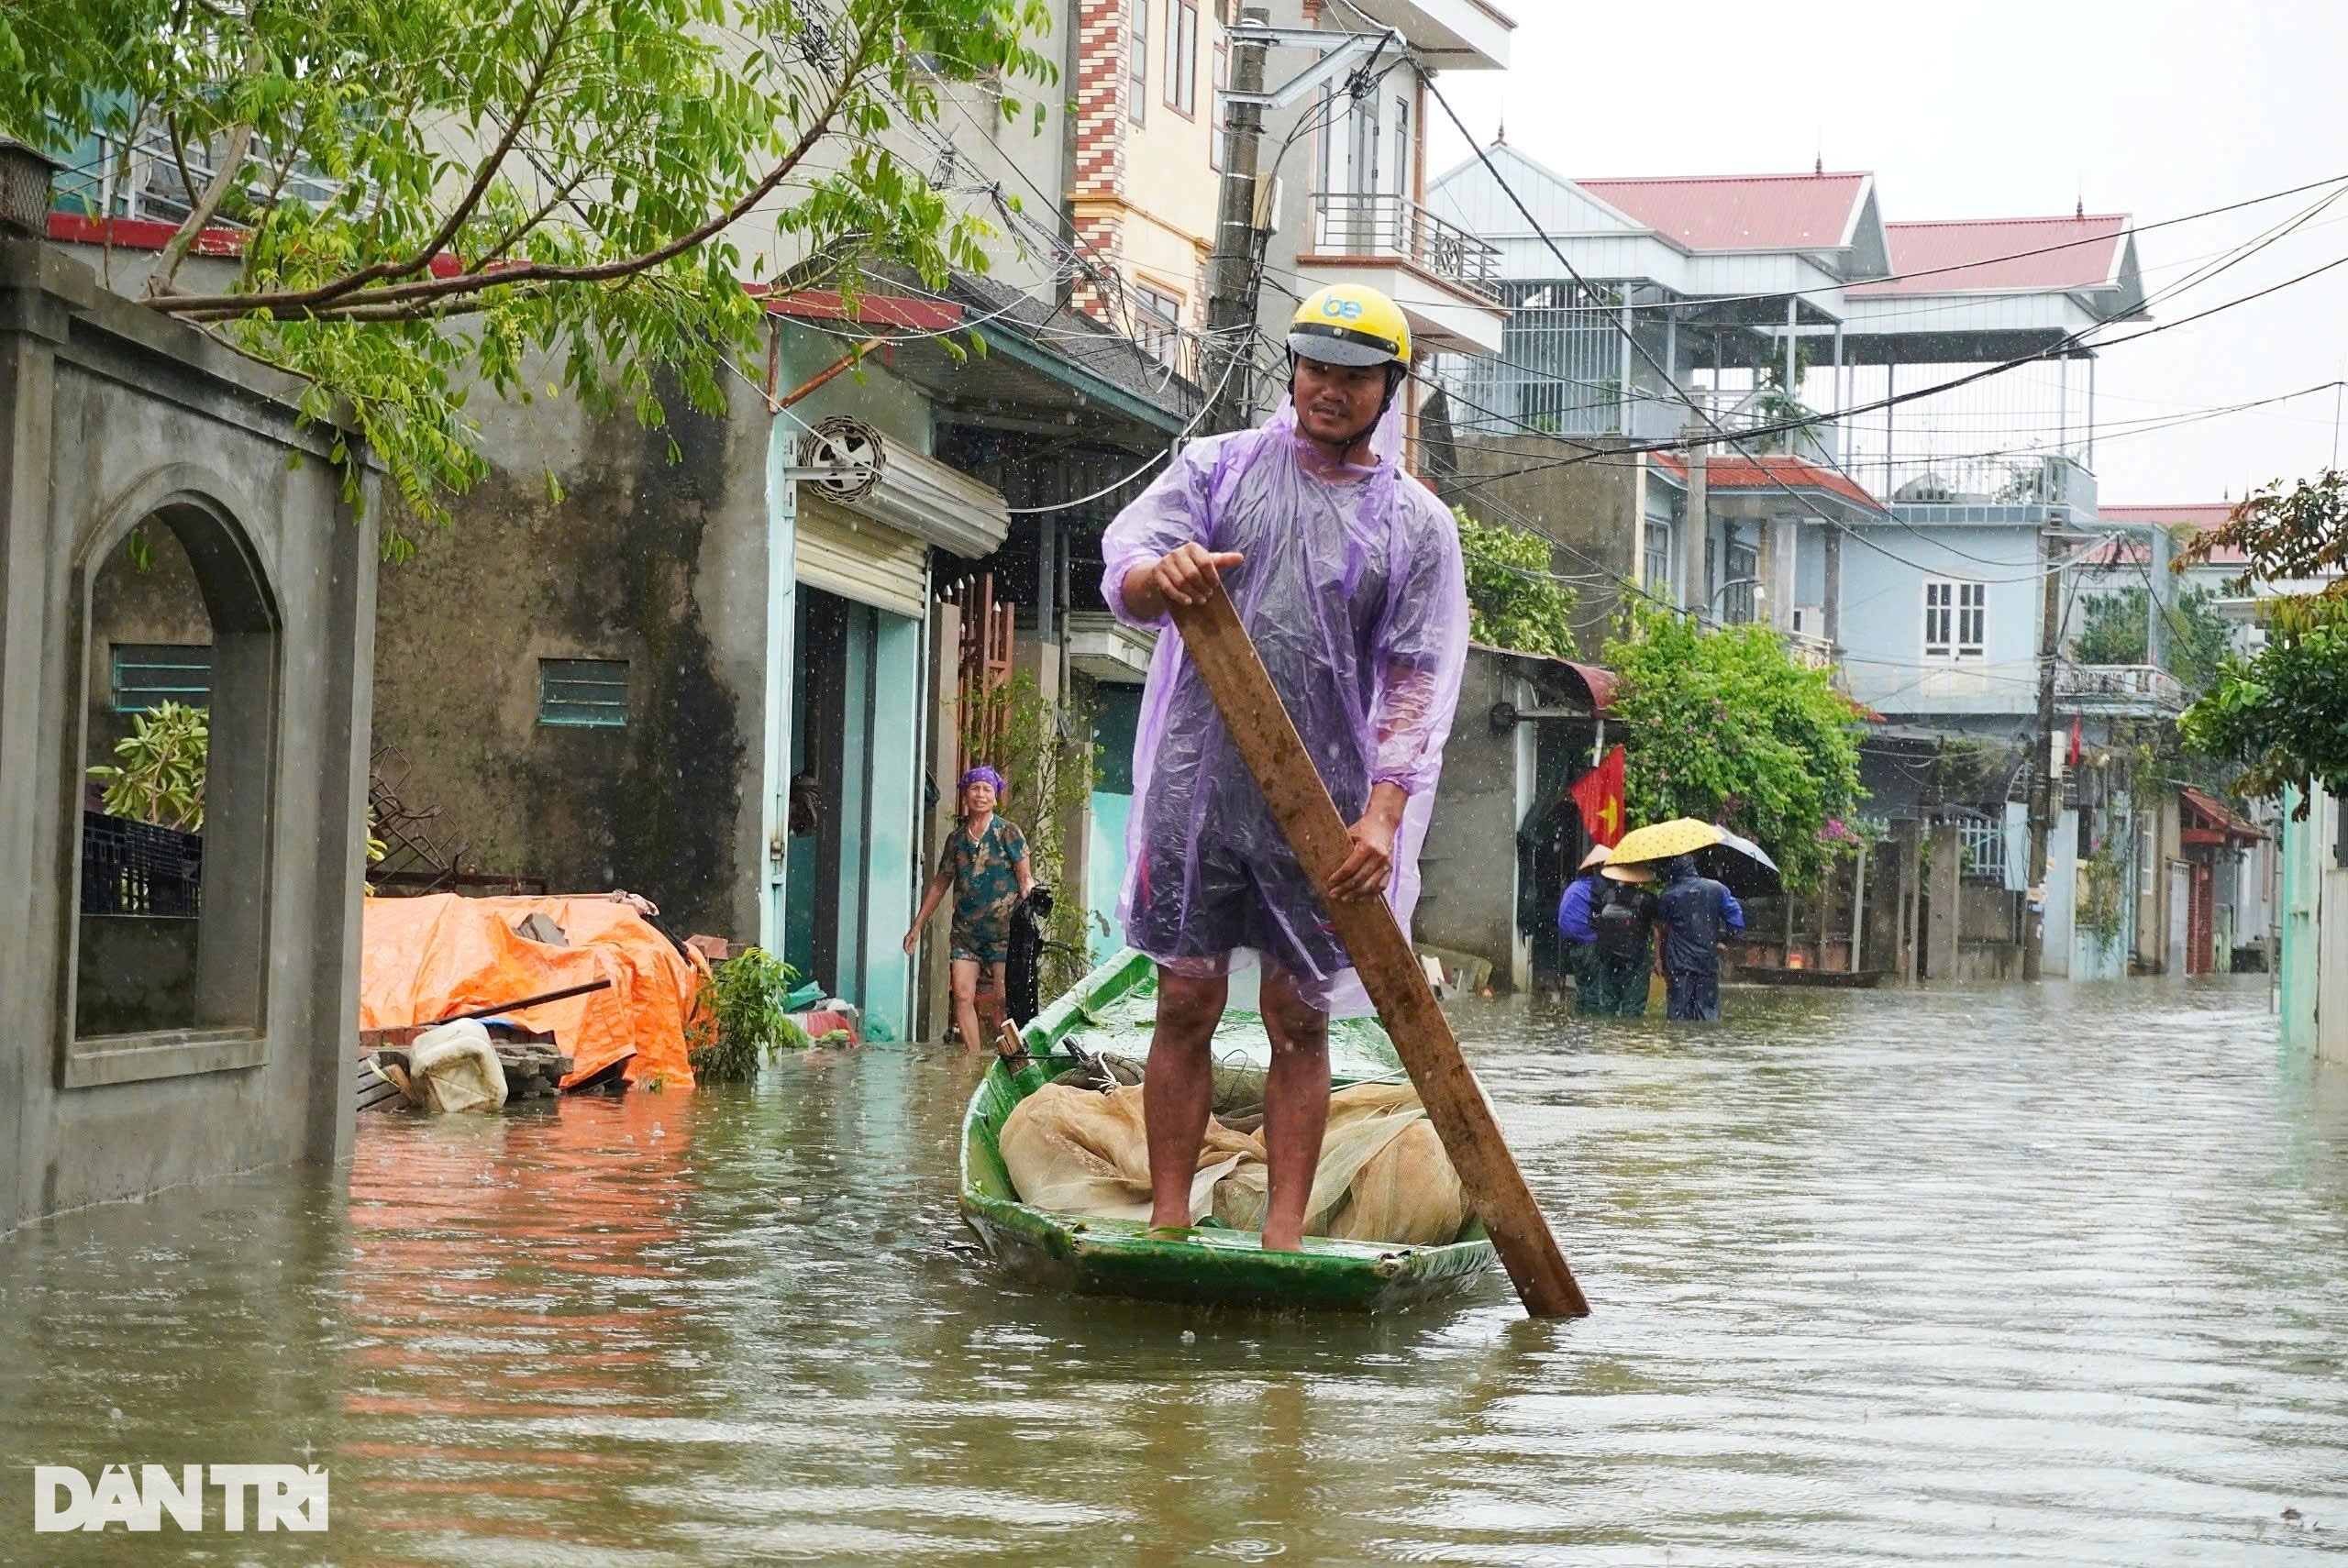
(1622, 915)
(1696, 912)
(1581, 937)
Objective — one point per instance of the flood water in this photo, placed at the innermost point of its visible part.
(1997, 1275)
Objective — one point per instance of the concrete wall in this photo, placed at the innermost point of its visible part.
(2314, 978)
(114, 415)
(1467, 898)
(658, 563)
(1589, 509)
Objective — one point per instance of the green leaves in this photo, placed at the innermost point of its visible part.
(1514, 601)
(2199, 638)
(2300, 531)
(1726, 727)
(161, 777)
(2281, 716)
(445, 195)
(744, 1018)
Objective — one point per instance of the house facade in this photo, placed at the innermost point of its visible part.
(1907, 543)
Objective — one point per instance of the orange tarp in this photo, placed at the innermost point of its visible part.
(425, 958)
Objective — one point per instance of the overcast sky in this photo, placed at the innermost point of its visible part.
(2155, 108)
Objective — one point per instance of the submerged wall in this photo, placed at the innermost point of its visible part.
(115, 418)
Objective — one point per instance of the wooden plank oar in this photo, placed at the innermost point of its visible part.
(1454, 1102)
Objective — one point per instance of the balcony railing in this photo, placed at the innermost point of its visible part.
(1352, 222)
(1809, 652)
(2052, 479)
(2124, 689)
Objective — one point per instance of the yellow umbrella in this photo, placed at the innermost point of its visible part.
(1681, 835)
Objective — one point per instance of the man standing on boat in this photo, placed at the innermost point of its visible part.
(1346, 573)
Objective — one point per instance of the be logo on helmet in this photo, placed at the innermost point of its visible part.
(1349, 324)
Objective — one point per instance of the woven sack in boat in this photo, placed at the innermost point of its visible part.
(1383, 1176)
(1071, 1151)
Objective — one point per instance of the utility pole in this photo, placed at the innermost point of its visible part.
(2157, 595)
(2042, 798)
(1231, 296)
(1695, 593)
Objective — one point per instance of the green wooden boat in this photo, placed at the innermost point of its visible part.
(1111, 1009)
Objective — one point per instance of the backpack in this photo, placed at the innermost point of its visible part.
(1621, 922)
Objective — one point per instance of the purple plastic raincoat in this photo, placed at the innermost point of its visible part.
(1354, 592)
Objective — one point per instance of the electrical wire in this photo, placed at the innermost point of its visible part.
(1196, 419)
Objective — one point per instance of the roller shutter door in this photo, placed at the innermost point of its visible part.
(857, 559)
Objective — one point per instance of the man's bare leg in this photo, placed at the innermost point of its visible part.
(1178, 1092)
(1296, 1108)
(965, 974)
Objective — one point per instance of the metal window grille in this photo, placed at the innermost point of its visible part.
(589, 693)
(1982, 847)
(1738, 603)
(147, 675)
(1560, 365)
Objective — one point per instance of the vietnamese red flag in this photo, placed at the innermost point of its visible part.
(2073, 760)
(1599, 793)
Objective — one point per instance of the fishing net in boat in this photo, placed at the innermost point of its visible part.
(1383, 1176)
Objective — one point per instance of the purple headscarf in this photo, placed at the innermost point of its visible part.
(982, 774)
(1354, 591)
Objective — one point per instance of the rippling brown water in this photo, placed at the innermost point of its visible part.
(1993, 1276)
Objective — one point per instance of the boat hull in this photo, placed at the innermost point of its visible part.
(1209, 1267)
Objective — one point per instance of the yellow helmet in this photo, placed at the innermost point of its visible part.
(1346, 324)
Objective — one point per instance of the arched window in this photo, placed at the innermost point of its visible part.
(171, 938)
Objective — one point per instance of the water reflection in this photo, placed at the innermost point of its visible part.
(1879, 1278)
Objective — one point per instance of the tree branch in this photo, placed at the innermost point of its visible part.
(223, 179)
(485, 173)
(304, 304)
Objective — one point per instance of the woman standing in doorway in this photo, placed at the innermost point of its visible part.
(985, 865)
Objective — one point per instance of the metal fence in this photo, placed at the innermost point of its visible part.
(1981, 846)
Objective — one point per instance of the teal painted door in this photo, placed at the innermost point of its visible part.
(892, 836)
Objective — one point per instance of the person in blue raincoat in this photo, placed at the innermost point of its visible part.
(1574, 911)
(1696, 914)
(1346, 573)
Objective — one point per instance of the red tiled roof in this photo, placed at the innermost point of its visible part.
(138, 234)
(2219, 816)
(2200, 513)
(1768, 473)
(1742, 212)
(1971, 255)
(145, 234)
(871, 309)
